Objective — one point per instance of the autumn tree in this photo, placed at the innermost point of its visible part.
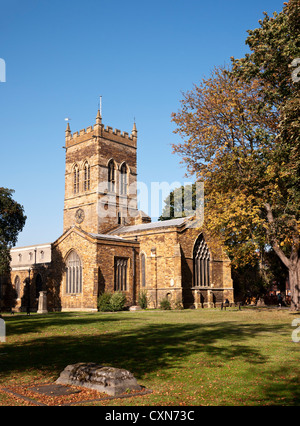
(274, 60)
(229, 144)
(12, 221)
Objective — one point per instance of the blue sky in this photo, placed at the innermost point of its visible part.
(138, 55)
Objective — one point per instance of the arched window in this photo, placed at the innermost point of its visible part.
(143, 270)
(111, 176)
(86, 182)
(123, 179)
(76, 179)
(18, 286)
(201, 263)
(73, 273)
(38, 285)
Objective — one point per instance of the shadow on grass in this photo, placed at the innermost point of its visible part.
(23, 324)
(145, 348)
(141, 346)
(283, 387)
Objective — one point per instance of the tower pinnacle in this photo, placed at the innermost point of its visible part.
(98, 118)
(68, 131)
(134, 131)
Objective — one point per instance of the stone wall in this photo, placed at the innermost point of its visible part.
(98, 145)
(97, 255)
(169, 266)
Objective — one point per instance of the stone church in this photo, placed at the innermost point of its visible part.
(108, 245)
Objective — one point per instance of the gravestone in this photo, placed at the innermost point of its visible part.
(2, 331)
(42, 308)
(113, 381)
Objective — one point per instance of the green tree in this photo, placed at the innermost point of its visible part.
(181, 202)
(12, 221)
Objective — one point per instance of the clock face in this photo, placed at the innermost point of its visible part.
(79, 216)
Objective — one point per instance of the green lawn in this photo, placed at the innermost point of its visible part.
(190, 357)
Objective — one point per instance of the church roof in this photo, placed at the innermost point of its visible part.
(106, 237)
(152, 225)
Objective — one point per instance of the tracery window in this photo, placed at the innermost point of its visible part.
(111, 176)
(201, 263)
(73, 273)
(87, 172)
(121, 264)
(123, 179)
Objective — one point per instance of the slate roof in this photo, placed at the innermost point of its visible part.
(152, 225)
(106, 237)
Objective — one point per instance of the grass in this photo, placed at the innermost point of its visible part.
(189, 357)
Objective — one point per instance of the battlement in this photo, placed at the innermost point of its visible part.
(106, 130)
(99, 130)
(117, 132)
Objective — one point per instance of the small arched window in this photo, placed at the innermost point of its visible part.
(76, 179)
(111, 176)
(123, 179)
(18, 286)
(143, 270)
(201, 263)
(73, 273)
(86, 182)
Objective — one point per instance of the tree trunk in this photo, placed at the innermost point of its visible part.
(294, 278)
(292, 263)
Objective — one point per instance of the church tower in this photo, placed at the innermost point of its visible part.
(100, 178)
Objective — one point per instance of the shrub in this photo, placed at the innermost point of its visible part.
(165, 304)
(143, 301)
(117, 301)
(178, 306)
(104, 302)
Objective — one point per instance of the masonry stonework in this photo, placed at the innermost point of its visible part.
(108, 244)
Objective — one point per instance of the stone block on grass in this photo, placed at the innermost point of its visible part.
(110, 380)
